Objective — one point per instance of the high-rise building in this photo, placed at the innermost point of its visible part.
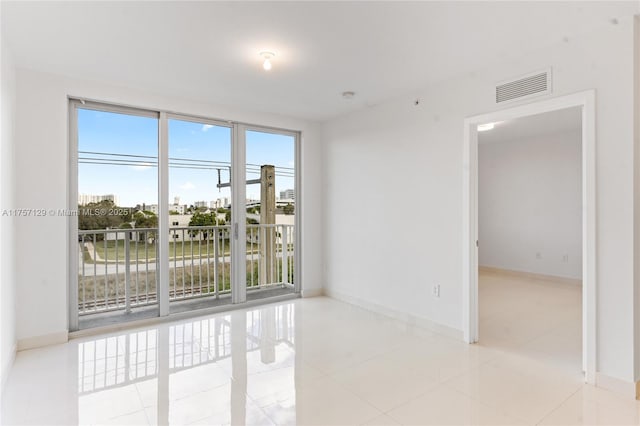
(201, 204)
(176, 200)
(84, 199)
(288, 194)
(219, 203)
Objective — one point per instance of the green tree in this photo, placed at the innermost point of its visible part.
(102, 215)
(146, 219)
(289, 209)
(202, 219)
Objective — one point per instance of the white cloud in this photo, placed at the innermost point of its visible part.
(187, 186)
(206, 127)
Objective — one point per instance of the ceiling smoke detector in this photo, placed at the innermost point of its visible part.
(348, 95)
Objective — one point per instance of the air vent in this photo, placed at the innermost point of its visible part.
(534, 84)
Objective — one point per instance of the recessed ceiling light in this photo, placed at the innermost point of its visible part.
(267, 56)
(348, 95)
(486, 126)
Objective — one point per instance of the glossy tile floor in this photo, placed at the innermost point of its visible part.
(320, 361)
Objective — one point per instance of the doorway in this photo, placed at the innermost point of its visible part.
(585, 101)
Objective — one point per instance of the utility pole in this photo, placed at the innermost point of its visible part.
(267, 218)
(266, 272)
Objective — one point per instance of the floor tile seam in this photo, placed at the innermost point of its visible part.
(344, 367)
(462, 394)
(460, 374)
(144, 409)
(434, 384)
(408, 401)
(262, 409)
(519, 344)
(142, 403)
(420, 394)
(556, 408)
(561, 398)
(518, 372)
(485, 404)
(201, 391)
(434, 377)
(349, 391)
(334, 382)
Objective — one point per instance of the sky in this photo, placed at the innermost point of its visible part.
(129, 145)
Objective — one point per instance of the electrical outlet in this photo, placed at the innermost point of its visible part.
(436, 290)
(538, 255)
(565, 258)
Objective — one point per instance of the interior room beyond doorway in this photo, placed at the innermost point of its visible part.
(530, 237)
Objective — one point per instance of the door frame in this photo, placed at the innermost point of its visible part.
(242, 129)
(586, 101)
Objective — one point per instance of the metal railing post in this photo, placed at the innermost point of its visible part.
(127, 273)
(285, 255)
(216, 278)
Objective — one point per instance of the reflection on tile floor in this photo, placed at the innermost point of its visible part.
(320, 361)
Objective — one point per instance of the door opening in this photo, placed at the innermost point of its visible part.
(530, 234)
(585, 101)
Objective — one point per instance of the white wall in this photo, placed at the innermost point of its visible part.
(413, 155)
(530, 204)
(7, 271)
(41, 161)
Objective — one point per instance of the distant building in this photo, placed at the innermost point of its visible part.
(288, 194)
(176, 201)
(84, 199)
(220, 203)
(178, 231)
(201, 204)
(180, 209)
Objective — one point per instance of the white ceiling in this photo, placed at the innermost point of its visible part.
(208, 51)
(564, 120)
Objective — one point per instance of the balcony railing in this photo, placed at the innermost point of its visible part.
(117, 267)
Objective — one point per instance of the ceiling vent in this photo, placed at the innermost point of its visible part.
(533, 84)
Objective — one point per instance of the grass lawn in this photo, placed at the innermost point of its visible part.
(115, 250)
(112, 250)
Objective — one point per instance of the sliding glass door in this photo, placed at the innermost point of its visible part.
(199, 213)
(270, 211)
(114, 250)
(177, 213)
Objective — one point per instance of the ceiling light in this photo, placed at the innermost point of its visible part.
(348, 95)
(485, 127)
(267, 59)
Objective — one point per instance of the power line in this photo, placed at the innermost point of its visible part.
(174, 162)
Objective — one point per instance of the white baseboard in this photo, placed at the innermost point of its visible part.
(46, 340)
(312, 292)
(492, 269)
(399, 315)
(6, 367)
(621, 387)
